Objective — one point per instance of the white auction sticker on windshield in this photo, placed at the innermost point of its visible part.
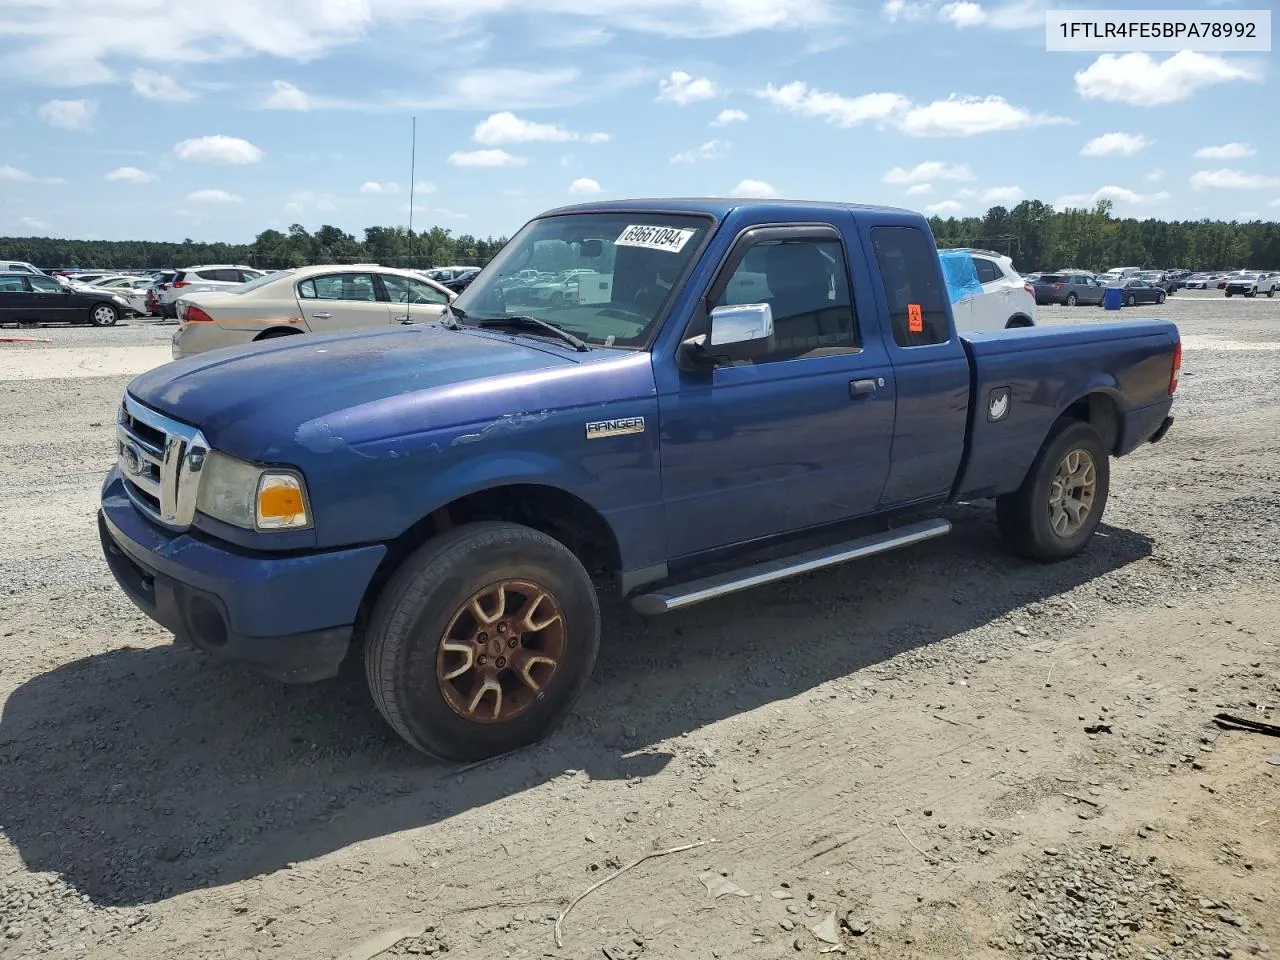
(654, 238)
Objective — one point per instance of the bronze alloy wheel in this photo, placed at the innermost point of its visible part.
(500, 650)
(1072, 493)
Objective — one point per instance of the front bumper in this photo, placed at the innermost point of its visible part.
(288, 617)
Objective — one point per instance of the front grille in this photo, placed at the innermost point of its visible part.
(160, 461)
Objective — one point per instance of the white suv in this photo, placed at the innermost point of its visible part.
(1006, 299)
(18, 266)
(217, 276)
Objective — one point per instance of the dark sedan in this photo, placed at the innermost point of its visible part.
(30, 300)
(1140, 291)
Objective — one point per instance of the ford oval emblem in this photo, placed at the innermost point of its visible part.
(132, 459)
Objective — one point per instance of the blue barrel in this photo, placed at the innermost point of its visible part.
(1113, 298)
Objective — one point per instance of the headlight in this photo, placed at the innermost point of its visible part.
(254, 498)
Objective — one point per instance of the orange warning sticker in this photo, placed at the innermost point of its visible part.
(915, 318)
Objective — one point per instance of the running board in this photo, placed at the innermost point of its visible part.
(681, 595)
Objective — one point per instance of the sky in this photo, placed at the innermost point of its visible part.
(167, 119)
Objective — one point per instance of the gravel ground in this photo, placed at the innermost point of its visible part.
(883, 753)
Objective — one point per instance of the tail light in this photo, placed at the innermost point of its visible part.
(1057, 286)
(194, 314)
(1029, 288)
(1176, 370)
(179, 284)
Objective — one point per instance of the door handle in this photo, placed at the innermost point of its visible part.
(861, 388)
(321, 316)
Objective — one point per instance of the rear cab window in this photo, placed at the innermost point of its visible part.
(912, 285)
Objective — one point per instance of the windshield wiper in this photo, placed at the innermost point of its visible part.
(526, 322)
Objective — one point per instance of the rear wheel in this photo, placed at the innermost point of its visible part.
(1228, 293)
(1130, 300)
(103, 315)
(1072, 299)
(482, 641)
(1055, 512)
(1161, 297)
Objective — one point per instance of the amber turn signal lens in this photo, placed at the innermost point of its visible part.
(281, 505)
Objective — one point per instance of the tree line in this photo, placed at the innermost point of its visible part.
(1038, 237)
(270, 250)
(1035, 235)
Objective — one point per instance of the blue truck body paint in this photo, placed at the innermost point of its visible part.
(387, 427)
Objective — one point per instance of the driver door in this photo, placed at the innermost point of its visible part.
(342, 301)
(413, 300)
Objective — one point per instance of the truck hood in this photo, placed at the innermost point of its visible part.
(247, 400)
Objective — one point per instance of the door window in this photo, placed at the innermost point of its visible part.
(908, 265)
(12, 285)
(44, 285)
(406, 290)
(806, 283)
(988, 272)
(338, 286)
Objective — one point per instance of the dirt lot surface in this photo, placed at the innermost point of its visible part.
(941, 753)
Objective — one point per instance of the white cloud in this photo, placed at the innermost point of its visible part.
(683, 89)
(754, 189)
(307, 201)
(997, 196)
(728, 116)
(584, 185)
(151, 85)
(711, 150)
(506, 127)
(214, 196)
(970, 116)
(1275, 202)
(76, 115)
(217, 149)
(1228, 151)
(1155, 176)
(801, 99)
(929, 170)
(1121, 196)
(1018, 15)
(130, 175)
(14, 175)
(424, 187)
(895, 10)
(80, 41)
(1115, 145)
(919, 189)
(484, 158)
(963, 14)
(285, 96)
(33, 223)
(1231, 180)
(374, 188)
(1140, 80)
(946, 208)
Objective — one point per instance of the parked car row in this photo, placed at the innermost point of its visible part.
(33, 298)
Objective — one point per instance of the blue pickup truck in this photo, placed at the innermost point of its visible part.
(728, 393)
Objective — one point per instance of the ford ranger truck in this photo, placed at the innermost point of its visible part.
(767, 389)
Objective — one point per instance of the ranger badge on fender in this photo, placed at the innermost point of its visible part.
(615, 428)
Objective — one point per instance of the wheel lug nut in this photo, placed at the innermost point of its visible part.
(502, 628)
(482, 660)
(511, 642)
(500, 662)
(483, 638)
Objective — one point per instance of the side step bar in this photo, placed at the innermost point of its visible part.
(682, 595)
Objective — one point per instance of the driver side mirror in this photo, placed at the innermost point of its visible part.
(737, 332)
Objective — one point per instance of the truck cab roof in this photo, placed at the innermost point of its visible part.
(721, 207)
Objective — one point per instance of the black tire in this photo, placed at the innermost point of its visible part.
(1228, 293)
(427, 593)
(1271, 292)
(276, 334)
(103, 315)
(1131, 301)
(1024, 515)
(1161, 297)
(1072, 299)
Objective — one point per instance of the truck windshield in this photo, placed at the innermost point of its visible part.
(604, 277)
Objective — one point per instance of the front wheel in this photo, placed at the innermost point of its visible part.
(482, 641)
(1161, 297)
(1271, 292)
(104, 315)
(1131, 300)
(1071, 299)
(1055, 512)
(1228, 293)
